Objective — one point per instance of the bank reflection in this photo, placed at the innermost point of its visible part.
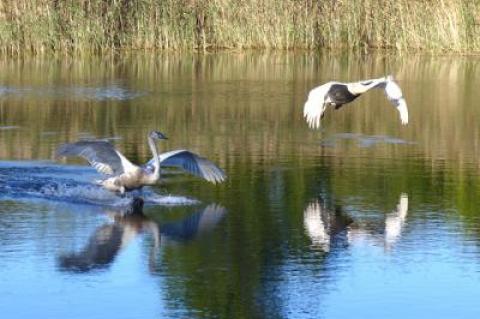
(127, 223)
(323, 225)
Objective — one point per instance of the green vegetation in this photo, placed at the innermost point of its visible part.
(88, 26)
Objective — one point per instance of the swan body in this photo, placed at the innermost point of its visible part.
(124, 176)
(337, 94)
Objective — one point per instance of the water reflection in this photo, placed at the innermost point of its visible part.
(395, 221)
(393, 225)
(322, 225)
(363, 140)
(128, 222)
(113, 91)
(262, 94)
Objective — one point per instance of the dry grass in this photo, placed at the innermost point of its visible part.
(96, 26)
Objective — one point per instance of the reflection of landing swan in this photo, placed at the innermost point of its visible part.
(337, 94)
(106, 242)
(127, 176)
(196, 224)
(321, 224)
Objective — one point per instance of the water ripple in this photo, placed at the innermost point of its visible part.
(69, 184)
(364, 140)
(99, 93)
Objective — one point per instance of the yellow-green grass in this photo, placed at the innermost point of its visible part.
(96, 26)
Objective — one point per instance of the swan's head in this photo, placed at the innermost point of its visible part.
(157, 135)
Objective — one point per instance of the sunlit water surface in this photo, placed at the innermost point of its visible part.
(361, 219)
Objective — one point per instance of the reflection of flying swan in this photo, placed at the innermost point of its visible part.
(315, 226)
(322, 225)
(337, 94)
(395, 220)
(127, 176)
(109, 239)
(394, 223)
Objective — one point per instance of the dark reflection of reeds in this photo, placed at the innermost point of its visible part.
(237, 106)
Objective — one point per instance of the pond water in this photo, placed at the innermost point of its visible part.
(363, 218)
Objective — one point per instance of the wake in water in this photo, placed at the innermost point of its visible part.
(114, 92)
(68, 184)
(364, 140)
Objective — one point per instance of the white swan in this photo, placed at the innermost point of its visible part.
(337, 94)
(126, 176)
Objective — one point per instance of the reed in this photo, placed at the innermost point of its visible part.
(97, 26)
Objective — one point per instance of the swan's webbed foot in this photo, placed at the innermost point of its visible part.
(121, 192)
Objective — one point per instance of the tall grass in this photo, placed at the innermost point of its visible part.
(77, 26)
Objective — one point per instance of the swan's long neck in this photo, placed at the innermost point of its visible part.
(156, 161)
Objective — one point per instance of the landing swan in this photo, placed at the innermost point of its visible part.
(126, 176)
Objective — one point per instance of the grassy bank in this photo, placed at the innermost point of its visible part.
(39, 26)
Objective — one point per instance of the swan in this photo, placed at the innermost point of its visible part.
(337, 94)
(126, 176)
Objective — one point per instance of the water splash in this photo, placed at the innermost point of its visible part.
(169, 200)
(70, 184)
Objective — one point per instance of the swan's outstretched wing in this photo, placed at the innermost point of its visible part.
(315, 106)
(394, 94)
(100, 154)
(191, 163)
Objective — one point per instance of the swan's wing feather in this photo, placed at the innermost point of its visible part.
(100, 154)
(191, 163)
(395, 95)
(315, 106)
(403, 110)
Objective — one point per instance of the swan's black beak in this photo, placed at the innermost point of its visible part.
(160, 135)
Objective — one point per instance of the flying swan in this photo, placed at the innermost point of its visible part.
(126, 176)
(337, 93)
